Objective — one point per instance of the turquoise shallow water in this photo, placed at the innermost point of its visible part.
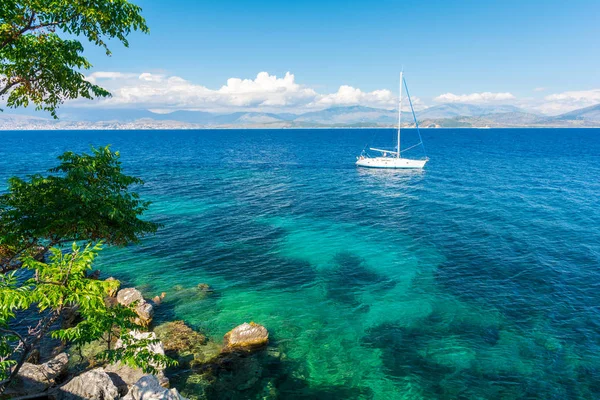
(477, 278)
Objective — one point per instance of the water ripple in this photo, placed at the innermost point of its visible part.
(475, 278)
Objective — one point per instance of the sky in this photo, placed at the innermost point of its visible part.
(304, 55)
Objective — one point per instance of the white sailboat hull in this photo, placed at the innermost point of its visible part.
(390, 162)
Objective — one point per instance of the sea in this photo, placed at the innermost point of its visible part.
(475, 278)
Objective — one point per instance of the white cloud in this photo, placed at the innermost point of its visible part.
(474, 98)
(95, 77)
(265, 92)
(149, 90)
(583, 97)
(558, 103)
(148, 77)
(552, 104)
(348, 95)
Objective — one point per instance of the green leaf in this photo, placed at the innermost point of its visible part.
(85, 198)
(39, 66)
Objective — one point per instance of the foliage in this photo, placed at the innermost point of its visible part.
(137, 353)
(86, 198)
(38, 66)
(53, 288)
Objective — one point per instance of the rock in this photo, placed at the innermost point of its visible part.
(234, 373)
(158, 299)
(177, 336)
(196, 385)
(110, 301)
(248, 336)
(188, 347)
(113, 290)
(57, 366)
(270, 390)
(206, 354)
(34, 357)
(204, 290)
(92, 385)
(124, 377)
(199, 292)
(95, 274)
(204, 287)
(33, 378)
(86, 355)
(144, 310)
(246, 374)
(148, 388)
(128, 296)
(70, 317)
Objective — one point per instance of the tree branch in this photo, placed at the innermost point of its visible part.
(12, 38)
(28, 347)
(7, 266)
(47, 24)
(10, 85)
(28, 26)
(11, 332)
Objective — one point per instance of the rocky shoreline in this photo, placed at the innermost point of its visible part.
(205, 368)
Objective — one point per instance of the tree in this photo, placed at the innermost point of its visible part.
(38, 66)
(86, 198)
(55, 287)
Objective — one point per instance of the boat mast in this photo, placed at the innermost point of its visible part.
(399, 116)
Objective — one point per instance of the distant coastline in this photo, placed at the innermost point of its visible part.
(292, 128)
(351, 117)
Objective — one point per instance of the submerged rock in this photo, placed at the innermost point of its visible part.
(188, 347)
(248, 336)
(238, 373)
(199, 292)
(158, 299)
(207, 353)
(92, 385)
(148, 388)
(204, 290)
(449, 351)
(196, 385)
(177, 336)
(33, 378)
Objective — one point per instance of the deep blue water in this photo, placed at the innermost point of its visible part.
(477, 278)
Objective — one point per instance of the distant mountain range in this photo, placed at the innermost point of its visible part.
(441, 116)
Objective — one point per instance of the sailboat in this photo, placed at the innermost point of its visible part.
(393, 158)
